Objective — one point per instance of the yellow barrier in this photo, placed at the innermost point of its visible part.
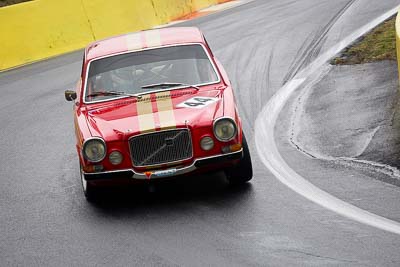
(121, 16)
(41, 29)
(398, 41)
(199, 4)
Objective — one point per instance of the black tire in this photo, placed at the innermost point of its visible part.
(89, 190)
(243, 171)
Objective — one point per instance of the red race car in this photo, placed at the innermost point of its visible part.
(156, 104)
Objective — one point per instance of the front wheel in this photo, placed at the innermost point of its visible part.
(89, 190)
(243, 171)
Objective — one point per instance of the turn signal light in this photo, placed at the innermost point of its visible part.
(231, 148)
(93, 168)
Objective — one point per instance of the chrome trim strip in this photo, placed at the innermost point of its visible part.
(184, 170)
(145, 49)
(108, 172)
(141, 134)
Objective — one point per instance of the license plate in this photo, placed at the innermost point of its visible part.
(164, 173)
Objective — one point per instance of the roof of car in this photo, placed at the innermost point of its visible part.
(142, 40)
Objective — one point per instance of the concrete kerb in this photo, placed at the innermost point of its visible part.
(272, 159)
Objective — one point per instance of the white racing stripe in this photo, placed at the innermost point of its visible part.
(270, 156)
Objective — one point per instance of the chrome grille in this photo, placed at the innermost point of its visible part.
(161, 147)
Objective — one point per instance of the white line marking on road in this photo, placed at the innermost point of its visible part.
(272, 159)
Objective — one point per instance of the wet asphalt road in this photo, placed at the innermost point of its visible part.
(202, 221)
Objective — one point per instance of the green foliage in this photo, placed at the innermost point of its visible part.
(11, 2)
(379, 44)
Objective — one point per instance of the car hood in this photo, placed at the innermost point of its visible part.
(120, 119)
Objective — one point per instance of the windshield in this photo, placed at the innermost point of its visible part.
(136, 72)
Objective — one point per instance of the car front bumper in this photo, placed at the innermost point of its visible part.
(198, 165)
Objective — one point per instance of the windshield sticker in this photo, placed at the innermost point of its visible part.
(197, 102)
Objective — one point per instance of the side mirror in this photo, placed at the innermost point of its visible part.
(70, 95)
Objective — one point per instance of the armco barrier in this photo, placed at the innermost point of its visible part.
(398, 41)
(41, 29)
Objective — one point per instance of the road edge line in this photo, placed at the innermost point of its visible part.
(272, 159)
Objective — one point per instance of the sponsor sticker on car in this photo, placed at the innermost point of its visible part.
(164, 173)
(197, 102)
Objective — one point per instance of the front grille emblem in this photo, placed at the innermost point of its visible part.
(169, 141)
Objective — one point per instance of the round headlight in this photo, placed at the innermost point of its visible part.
(115, 157)
(94, 150)
(225, 129)
(207, 143)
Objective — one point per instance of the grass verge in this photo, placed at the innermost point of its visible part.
(379, 44)
(11, 2)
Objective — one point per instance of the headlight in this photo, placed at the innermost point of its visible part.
(225, 129)
(94, 150)
(207, 143)
(115, 157)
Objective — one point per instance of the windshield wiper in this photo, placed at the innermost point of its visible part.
(168, 85)
(110, 93)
